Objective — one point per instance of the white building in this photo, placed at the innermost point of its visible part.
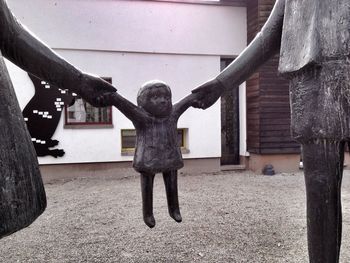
(131, 42)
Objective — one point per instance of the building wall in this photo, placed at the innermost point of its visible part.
(135, 26)
(132, 42)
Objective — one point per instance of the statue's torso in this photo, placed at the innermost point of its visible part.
(314, 32)
(315, 51)
(157, 148)
(22, 195)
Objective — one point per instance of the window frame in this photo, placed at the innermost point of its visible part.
(126, 149)
(131, 151)
(80, 125)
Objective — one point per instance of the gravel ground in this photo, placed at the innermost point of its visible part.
(227, 217)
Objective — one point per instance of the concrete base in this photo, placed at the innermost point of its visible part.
(119, 170)
(285, 163)
(255, 163)
(281, 163)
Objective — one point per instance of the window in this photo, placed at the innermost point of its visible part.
(128, 140)
(128, 137)
(81, 113)
(181, 137)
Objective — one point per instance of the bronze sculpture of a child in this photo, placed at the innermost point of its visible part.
(156, 151)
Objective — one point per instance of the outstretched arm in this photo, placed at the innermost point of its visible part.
(181, 106)
(129, 109)
(19, 46)
(266, 44)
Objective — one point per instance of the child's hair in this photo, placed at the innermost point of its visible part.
(141, 95)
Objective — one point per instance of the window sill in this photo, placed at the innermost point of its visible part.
(185, 150)
(88, 126)
(130, 152)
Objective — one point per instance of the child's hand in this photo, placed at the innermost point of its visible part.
(207, 94)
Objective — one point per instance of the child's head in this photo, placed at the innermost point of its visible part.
(155, 97)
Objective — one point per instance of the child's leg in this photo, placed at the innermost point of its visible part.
(323, 168)
(170, 181)
(147, 198)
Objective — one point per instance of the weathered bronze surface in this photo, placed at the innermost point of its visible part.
(313, 39)
(157, 149)
(22, 195)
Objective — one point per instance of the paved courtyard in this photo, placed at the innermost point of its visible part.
(227, 217)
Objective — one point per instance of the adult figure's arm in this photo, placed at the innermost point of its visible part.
(19, 46)
(265, 44)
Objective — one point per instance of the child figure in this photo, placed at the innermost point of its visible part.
(156, 150)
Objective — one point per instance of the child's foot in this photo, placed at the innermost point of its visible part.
(176, 216)
(149, 221)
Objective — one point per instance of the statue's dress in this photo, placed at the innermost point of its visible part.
(22, 195)
(157, 148)
(315, 52)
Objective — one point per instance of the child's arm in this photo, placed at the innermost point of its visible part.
(181, 106)
(129, 109)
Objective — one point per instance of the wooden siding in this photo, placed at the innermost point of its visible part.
(239, 3)
(268, 111)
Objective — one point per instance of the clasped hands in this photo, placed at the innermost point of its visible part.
(94, 90)
(207, 94)
(91, 88)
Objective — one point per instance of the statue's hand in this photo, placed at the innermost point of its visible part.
(107, 99)
(91, 89)
(207, 94)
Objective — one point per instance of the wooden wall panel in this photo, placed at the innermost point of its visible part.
(268, 111)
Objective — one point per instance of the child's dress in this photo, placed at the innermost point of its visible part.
(157, 148)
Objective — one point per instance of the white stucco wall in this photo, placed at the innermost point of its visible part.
(132, 42)
(135, 26)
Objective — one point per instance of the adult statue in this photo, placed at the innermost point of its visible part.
(22, 195)
(313, 40)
